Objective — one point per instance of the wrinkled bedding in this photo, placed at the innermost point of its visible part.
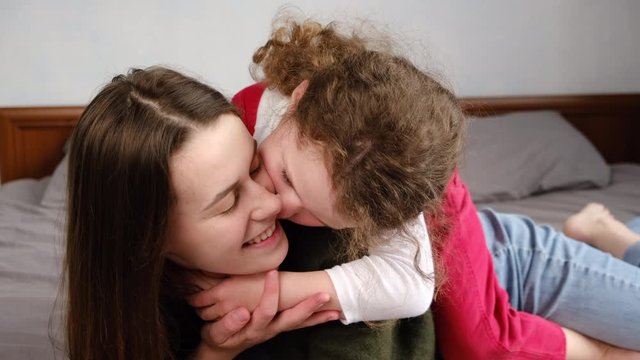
(30, 263)
(31, 251)
(621, 196)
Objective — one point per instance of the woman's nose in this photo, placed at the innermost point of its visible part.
(267, 204)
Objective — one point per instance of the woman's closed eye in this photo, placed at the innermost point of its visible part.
(236, 196)
(256, 166)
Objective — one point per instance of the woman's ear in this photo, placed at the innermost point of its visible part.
(297, 93)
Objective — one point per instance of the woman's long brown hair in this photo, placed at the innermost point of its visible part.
(119, 195)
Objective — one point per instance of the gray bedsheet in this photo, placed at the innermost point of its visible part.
(30, 264)
(622, 196)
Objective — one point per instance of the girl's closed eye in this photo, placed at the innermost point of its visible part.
(286, 178)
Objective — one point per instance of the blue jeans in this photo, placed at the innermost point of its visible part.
(632, 255)
(564, 280)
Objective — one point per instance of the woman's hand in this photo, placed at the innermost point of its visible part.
(202, 280)
(239, 330)
(245, 291)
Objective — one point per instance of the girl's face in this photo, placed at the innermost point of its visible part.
(224, 216)
(301, 179)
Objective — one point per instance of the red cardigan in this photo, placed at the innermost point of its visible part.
(473, 316)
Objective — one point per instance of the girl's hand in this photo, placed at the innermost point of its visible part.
(239, 291)
(239, 330)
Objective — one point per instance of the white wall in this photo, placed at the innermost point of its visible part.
(61, 52)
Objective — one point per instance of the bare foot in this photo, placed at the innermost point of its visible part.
(587, 223)
(596, 226)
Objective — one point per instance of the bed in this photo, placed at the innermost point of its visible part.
(541, 156)
(547, 157)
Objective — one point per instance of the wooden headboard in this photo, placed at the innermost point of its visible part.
(31, 139)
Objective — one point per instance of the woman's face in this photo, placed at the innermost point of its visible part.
(301, 179)
(224, 216)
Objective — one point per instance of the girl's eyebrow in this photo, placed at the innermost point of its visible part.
(231, 187)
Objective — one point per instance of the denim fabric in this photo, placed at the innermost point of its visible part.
(563, 280)
(634, 225)
(632, 255)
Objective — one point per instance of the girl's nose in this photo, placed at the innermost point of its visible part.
(291, 204)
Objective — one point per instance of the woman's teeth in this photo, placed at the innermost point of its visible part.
(260, 238)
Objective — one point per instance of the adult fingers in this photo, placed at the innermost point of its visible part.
(210, 313)
(304, 311)
(202, 299)
(203, 281)
(268, 304)
(220, 331)
(320, 317)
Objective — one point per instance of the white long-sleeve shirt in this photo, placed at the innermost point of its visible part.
(384, 284)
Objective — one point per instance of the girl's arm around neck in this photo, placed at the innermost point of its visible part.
(383, 285)
(388, 283)
(297, 286)
(244, 291)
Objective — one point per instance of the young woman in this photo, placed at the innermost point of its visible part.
(162, 178)
(165, 182)
(342, 86)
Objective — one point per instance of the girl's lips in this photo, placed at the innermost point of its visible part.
(271, 240)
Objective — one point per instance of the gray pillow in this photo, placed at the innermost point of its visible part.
(518, 154)
(56, 192)
(55, 195)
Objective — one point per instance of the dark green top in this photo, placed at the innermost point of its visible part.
(314, 249)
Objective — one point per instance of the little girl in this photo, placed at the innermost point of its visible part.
(344, 86)
(390, 135)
